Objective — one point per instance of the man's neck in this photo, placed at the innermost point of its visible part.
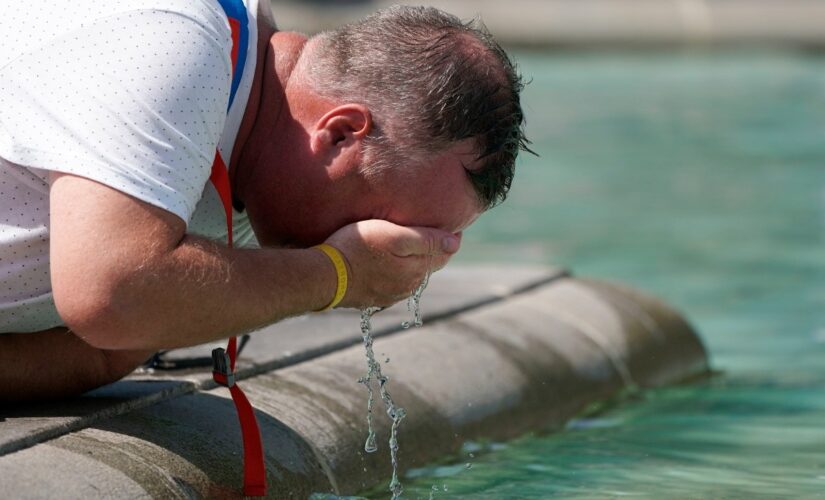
(278, 52)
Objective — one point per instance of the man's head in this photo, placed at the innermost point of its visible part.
(409, 115)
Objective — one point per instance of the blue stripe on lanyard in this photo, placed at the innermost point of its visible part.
(237, 10)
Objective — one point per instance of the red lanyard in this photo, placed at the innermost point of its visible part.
(223, 371)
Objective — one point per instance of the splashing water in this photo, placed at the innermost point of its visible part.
(414, 303)
(396, 413)
(373, 368)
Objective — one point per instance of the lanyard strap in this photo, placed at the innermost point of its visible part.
(220, 180)
(223, 371)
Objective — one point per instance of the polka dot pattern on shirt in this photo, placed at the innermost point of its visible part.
(25, 283)
(141, 91)
(129, 93)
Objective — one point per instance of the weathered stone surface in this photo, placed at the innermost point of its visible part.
(288, 342)
(506, 352)
(600, 23)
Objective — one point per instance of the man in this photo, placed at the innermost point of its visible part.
(384, 139)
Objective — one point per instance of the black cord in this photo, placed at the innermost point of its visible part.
(158, 360)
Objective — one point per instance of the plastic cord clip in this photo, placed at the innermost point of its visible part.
(221, 368)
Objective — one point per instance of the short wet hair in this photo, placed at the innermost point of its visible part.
(431, 80)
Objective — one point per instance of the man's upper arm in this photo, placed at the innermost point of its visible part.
(100, 239)
(134, 100)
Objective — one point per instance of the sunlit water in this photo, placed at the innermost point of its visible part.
(699, 178)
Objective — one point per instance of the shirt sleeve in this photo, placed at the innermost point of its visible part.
(136, 101)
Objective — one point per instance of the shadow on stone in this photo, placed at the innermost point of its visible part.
(195, 440)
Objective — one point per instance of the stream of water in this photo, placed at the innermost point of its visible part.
(374, 371)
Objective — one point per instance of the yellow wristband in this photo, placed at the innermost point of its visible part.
(340, 271)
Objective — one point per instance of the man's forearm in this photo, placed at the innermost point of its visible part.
(125, 275)
(202, 291)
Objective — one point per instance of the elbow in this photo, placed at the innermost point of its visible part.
(91, 312)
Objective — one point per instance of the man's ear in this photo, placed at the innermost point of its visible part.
(342, 126)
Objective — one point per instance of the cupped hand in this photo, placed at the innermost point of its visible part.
(387, 262)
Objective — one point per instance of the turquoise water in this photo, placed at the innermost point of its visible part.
(699, 177)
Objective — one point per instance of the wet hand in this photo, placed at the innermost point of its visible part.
(386, 262)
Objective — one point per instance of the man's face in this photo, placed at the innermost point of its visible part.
(437, 193)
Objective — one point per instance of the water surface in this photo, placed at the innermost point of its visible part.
(699, 177)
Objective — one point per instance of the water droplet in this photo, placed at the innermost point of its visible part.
(444, 487)
(472, 456)
(468, 465)
(369, 445)
(405, 325)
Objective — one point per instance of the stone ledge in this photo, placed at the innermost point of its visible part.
(601, 23)
(530, 359)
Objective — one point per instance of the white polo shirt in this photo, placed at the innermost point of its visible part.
(129, 93)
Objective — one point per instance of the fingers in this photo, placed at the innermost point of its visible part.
(388, 261)
(411, 241)
(438, 262)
